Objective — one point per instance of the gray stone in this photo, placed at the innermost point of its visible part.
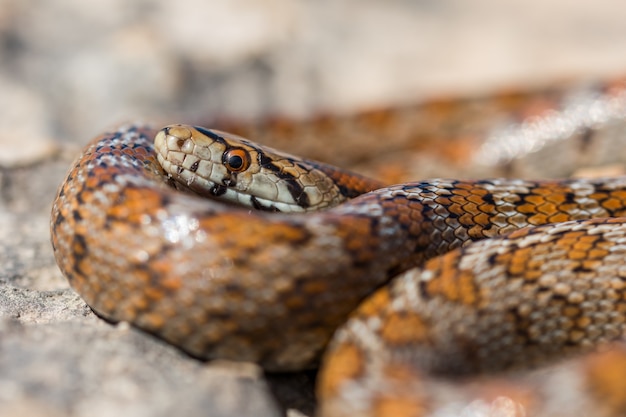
(93, 368)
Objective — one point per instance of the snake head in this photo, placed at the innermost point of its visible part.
(222, 165)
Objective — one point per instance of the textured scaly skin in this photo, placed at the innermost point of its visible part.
(520, 301)
(229, 283)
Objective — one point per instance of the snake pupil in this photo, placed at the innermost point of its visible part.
(236, 160)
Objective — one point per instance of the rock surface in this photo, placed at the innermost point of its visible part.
(68, 69)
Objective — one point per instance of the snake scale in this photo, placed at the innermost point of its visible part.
(469, 326)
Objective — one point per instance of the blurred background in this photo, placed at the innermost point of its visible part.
(70, 68)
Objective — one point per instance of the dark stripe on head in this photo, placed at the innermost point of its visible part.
(211, 134)
(293, 186)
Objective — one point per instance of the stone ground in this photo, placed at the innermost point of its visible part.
(69, 68)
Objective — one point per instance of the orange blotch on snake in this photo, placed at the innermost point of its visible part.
(451, 283)
(597, 253)
(471, 208)
(152, 321)
(487, 208)
(545, 191)
(613, 204)
(577, 254)
(476, 199)
(345, 363)
(404, 328)
(459, 194)
(588, 240)
(482, 218)
(516, 234)
(398, 371)
(243, 234)
(556, 198)
(526, 208)
(375, 304)
(606, 380)
(136, 204)
(537, 200)
(547, 208)
(620, 194)
(518, 264)
(399, 406)
(353, 242)
(141, 202)
(569, 239)
(595, 261)
(537, 219)
(559, 217)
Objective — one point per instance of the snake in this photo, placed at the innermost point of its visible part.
(507, 296)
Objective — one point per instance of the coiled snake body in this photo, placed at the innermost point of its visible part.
(228, 282)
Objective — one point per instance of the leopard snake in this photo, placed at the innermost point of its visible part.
(468, 326)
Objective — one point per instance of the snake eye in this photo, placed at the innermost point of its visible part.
(236, 160)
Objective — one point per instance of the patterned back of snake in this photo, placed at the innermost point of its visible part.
(226, 282)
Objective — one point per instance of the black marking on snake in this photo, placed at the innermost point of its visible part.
(345, 191)
(230, 181)
(61, 218)
(79, 198)
(492, 260)
(258, 206)
(194, 166)
(211, 134)
(171, 182)
(293, 186)
(79, 246)
(521, 199)
(76, 216)
(331, 171)
(423, 290)
(570, 197)
(488, 198)
(218, 190)
(581, 268)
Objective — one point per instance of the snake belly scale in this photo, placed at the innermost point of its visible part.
(226, 282)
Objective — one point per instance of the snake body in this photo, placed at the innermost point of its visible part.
(227, 282)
